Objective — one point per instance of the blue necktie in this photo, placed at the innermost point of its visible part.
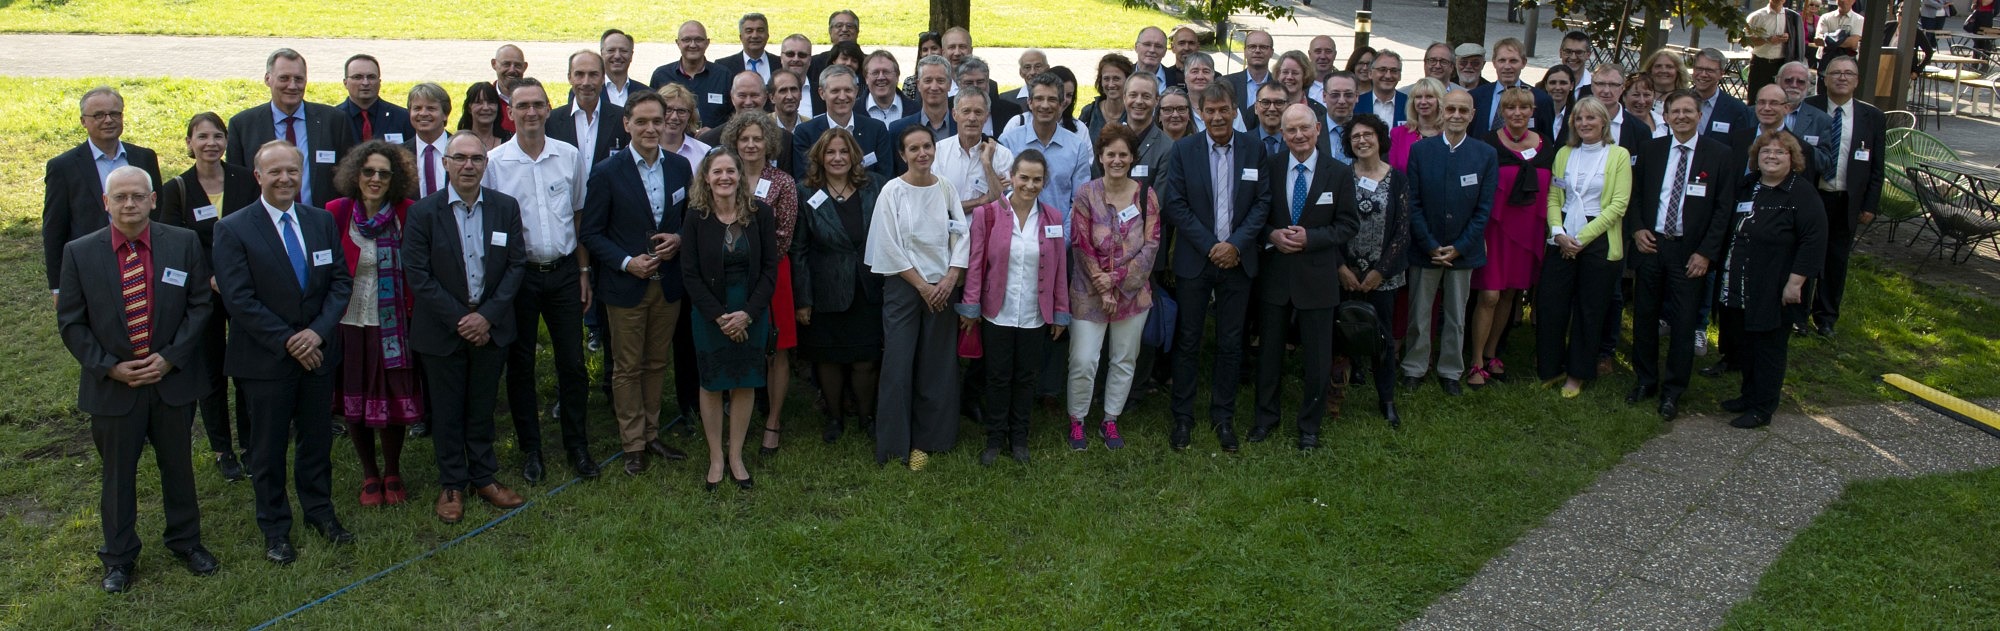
(1839, 116)
(753, 64)
(1298, 193)
(292, 248)
(1271, 144)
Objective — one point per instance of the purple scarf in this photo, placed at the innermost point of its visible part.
(388, 277)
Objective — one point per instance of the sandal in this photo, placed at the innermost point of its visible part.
(766, 451)
(1496, 370)
(1480, 374)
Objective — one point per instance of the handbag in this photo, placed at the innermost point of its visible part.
(1360, 329)
(1160, 321)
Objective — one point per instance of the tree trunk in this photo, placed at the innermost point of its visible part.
(1657, 14)
(1465, 21)
(949, 13)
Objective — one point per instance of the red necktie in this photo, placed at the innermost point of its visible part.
(430, 173)
(293, 137)
(367, 126)
(138, 301)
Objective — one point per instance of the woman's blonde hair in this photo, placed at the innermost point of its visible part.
(1427, 84)
(702, 199)
(1588, 106)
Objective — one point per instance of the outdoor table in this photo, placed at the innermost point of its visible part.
(1982, 179)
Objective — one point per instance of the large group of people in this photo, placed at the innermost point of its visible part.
(734, 215)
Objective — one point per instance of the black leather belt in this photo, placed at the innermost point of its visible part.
(549, 266)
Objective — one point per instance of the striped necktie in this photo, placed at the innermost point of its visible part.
(138, 301)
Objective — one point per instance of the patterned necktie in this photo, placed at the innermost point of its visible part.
(1680, 191)
(1298, 193)
(293, 248)
(430, 170)
(292, 136)
(138, 301)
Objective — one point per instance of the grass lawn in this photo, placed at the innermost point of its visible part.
(1364, 533)
(1003, 23)
(1890, 554)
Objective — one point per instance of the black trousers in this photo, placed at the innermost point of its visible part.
(1229, 290)
(1763, 72)
(1762, 357)
(1831, 285)
(1315, 331)
(554, 297)
(1014, 359)
(463, 389)
(1663, 290)
(215, 407)
(1383, 363)
(119, 440)
(918, 407)
(687, 376)
(279, 410)
(1570, 306)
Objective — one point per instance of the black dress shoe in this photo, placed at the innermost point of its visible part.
(1357, 377)
(1410, 383)
(1670, 407)
(1640, 393)
(1226, 434)
(1181, 437)
(1825, 330)
(1308, 442)
(531, 467)
(199, 560)
(280, 551)
(1735, 406)
(661, 450)
(988, 457)
(331, 530)
(585, 466)
(1717, 369)
(1750, 420)
(1389, 413)
(339, 428)
(1451, 387)
(1259, 432)
(232, 469)
(745, 482)
(1020, 454)
(420, 429)
(117, 578)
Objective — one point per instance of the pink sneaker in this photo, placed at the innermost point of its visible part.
(1076, 440)
(1111, 438)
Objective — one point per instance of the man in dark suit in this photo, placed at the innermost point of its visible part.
(841, 26)
(1810, 123)
(1723, 118)
(73, 195)
(754, 32)
(135, 298)
(1684, 194)
(1507, 64)
(319, 132)
(616, 48)
(1311, 214)
(885, 101)
(1608, 87)
(283, 278)
(463, 253)
(708, 82)
(1151, 48)
(631, 225)
(1183, 43)
(974, 74)
(586, 120)
(1257, 51)
(1451, 197)
(1384, 101)
(368, 115)
(1212, 197)
(1853, 189)
(841, 89)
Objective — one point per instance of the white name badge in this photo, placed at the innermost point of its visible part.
(955, 226)
(1719, 127)
(1469, 179)
(680, 195)
(1559, 183)
(1812, 140)
(174, 277)
(323, 257)
(1128, 214)
(763, 187)
(1052, 232)
(817, 199)
(1140, 170)
(1634, 161)
(394, 139)
(323, 157)
(206, 213)
(1743, 207)
(714, 98)
(1325, 198)
(1529, 154)
(868, 160)
(499, 239)
(1367, 184)
(1697, 190)
(1249, 175)
(1861, 154)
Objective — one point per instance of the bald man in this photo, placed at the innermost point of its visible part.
(1451, 196)
(509, 65)
(708, 82)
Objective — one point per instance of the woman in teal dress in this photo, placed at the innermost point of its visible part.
(729, 262)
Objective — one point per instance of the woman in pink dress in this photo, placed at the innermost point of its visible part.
(1515, 232)
(1426, 119)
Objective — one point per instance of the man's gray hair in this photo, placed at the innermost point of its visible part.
(282, 53)
(837, 70)
(1715, 56)
(102, 90)
(432, 92)
(950, 76)
(131, 171)
(972, 63)
(751, 17)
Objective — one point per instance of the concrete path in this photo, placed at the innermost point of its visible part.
(1680, 531)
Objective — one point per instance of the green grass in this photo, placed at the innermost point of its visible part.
(1889, 554)
(1002, 23)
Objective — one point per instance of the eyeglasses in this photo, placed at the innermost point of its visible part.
(679, 111)
(364, 78)
(693, 40)
(466, 158)
(129, 198)
(99, 117)
(1271, 102)
(1843, 73)
(845, 26)
(379, 174)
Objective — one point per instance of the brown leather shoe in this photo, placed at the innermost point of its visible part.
(661, 449)
(635, 462)
(499, 496)
(451, 506)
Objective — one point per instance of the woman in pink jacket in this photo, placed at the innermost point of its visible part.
(1017, 281)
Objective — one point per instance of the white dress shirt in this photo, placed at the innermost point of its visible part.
(1583, 183)
(1022, 309)
(586, 129)
(434, 153)
(550, 190)
(1291, 176)
(1838, 181)
(1673, 164)
(962, 168)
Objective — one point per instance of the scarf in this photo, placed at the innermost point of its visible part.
(1526, 182)
(388, 278)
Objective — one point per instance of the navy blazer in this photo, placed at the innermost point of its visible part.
(611, 135)
(1705, 217)
(1482, 110)
(265, 304)
(1864, 177)
(326, 130)
(617, 216)
(90, 312)
(434, 266)
(1187, 195)
(1366, 105)
(389, 121)
(1732, 123)
(871, 133)
(1451, 197)
(73, 199)
(1308, 279)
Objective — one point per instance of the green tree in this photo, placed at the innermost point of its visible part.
(1624, 30)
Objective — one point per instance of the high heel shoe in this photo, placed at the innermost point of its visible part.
(745, 482)
(766, 451)
(711, 484)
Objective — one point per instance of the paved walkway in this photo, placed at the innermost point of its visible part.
(1680, 531)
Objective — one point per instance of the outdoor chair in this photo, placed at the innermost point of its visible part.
(1906, 147)
(1958, 217)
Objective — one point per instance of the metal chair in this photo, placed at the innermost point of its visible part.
(1957, 216)
(1906, 147)
(1901, 119)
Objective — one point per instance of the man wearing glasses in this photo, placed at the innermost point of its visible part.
(1723, 118)
(1852, 189)
(1387, 72)
(842, 26)
(319, 131)
(73, 204)
(796, 53)
(1575, 53)
(1257, 49)
(1813, 125)
(1441, 64)
(709, 83)
(368, 115)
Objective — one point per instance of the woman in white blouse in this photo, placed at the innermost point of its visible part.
(918, 237)
(1586, 249)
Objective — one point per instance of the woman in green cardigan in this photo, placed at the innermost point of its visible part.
(1593, 181)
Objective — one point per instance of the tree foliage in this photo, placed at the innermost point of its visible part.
(1641, 20)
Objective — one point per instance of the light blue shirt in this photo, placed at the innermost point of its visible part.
(653, 179)
(1068, 155)
(1336, 136)
(471, 240)
(106, 163)
(304, 144)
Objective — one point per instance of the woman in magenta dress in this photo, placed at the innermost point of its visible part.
(1426, 119)
(1515, 233)
(377, 389)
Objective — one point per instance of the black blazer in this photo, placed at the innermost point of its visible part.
(265, 304)
(91, 314)
(180, 196)
(326, 130)
(1001, 111)
(736, 63)
(871, 133)
(617, 216)
(434, 264)
(1705, 218)
(1864, 177)
(702, 272)
(1309, 279)
(611, 135)
(1742, 122)
(1784, 234)
(1188, 197)
(387, 119)
(73, 199)
(829, 258)
(1482, 110)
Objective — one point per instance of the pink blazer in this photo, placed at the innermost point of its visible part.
(986, 267)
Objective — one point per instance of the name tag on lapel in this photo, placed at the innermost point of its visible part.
(1469, 179)
(1861, 155)
(1719, 127)
(499, 239)
(1325, 198)
(1249, 175)
(763, 187)
(817, 199)
(1743, 207)
(174, 277)
(1812, 140)
(322, 257)
(1697, 190)
(714, 98)
(323, 157)
(955, 226)
(868, 160)
(1529, 154)
(1140, 170)
(394, 139)
(680, 195)
(1366, 184)
(1128, 214)
(1052, 232)
(206, 213)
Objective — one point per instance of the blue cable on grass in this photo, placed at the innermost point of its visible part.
(427, 553)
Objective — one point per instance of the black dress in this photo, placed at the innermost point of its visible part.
(725, 364)
(855, 333)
